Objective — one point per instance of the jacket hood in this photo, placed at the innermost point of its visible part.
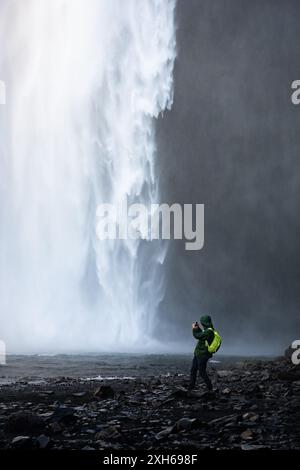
(206, 321)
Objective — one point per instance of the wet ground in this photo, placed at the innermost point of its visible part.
(141, 402)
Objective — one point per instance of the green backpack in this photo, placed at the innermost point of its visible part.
(216, 342)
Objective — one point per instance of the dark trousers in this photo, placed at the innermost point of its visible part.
(200, 364)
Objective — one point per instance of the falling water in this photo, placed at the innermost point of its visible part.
(85, 81)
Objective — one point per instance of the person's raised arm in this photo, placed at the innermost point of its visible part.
(197, 332)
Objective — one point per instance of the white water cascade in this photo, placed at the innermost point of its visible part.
(85, 82)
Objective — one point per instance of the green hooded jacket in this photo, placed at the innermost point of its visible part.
(202, 336)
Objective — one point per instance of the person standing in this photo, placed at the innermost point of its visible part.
(202, 353)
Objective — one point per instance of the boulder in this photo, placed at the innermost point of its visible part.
(24, 442)
(24, 421)
(104, 391)
(64, 415)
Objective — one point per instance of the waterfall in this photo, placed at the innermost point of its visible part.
(85, 83)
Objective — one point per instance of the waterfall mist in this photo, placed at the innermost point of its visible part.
(85, 82)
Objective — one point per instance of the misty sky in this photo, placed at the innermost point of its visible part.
(232, 142)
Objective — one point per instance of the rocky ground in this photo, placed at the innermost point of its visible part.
(255, 406)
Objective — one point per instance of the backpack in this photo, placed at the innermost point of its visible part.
(216, 342)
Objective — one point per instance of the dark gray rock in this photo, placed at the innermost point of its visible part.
(64, 415)
(43, 441)
(24, 421)
(104, 391)
(24, 442)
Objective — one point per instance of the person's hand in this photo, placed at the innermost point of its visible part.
(195, 325)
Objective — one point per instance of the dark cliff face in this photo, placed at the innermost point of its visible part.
(232, 142)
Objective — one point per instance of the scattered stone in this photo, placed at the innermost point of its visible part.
(253, 447)
(251, 417)
(181, 392)
(224, 373)
(64, 415)
(23, 442)
(55, 427)
(24, 421)
(110, 432)
(209, 395)
(104, 391)
(223, 419)
(186, 423)
(88, 431)
(247, 435)
(265, 376)
(257, 408)
(79, 394)
(164, 433)
(43, 441)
